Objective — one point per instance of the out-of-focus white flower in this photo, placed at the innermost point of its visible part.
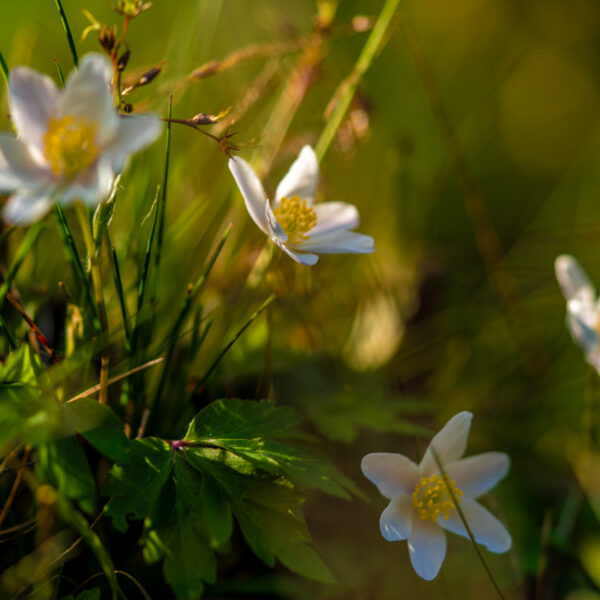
(583, 307)
(70, 143)
(299, 227)
(421, 506)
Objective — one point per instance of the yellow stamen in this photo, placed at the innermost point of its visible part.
(70, 145)
(432, 498)
(296, 218)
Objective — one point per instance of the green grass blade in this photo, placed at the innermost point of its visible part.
(9, 338)
(120, 293)
(185, 309)
(235, 338)
(4, 68)
(162, 206)
(22, 253)
(145, 270)
(61, 76)
(365, 59)
(76, 264)
(65, 24)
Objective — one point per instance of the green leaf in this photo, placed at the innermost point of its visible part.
(217, 511)
(135, 484)
(246, 429)
(99, 425)
(242, 419)
(93, 594)
(63, 464)
(27, 414)
(21, 366)
(190, 559)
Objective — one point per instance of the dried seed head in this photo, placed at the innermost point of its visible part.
(123, 60)
(107, 37)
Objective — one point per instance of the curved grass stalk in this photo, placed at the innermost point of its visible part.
(464, 522)
(348, 87)
(65, 24)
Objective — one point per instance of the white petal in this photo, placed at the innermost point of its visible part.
(390, 472)
(333, 216)
(450, 443)
(427, 548)
(17, 167)
(478, 474)
(91, 187)
(33, 98)
(396, 520)
(133, 134)
(88, 94)
(300, 257)
(301, 179)
(25, 207)
(573, 279)
(339, 242)
(487, 530)
(251, 189)
(583, 335)
(276, 231)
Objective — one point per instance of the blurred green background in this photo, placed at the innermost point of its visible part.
(472, 151)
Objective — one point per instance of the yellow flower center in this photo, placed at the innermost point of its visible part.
(432, 498)
(70, 145)
(296, 218)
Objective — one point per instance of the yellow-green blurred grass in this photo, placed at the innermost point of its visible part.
(518, 82)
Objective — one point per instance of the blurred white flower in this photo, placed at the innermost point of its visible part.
(299, 227)
(70, 143)
(421, 506)
(583, 307)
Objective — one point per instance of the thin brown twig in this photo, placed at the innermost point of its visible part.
(96, 388)
(15, 486)
(36, 330)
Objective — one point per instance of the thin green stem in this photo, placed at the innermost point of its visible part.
(75, 260)
(235, 338)
(162, 206)
(61, 76)
(121, 295)
(145, 271)
(369, 51)
(4, 68)
(9, 338)
(456, 503)
(86, 230)
(22, 253)
(185, 310)
(65, 24)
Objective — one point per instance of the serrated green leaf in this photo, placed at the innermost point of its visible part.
(246, 430)
(217, 512)
(190, 559)
(99, 425)
(62, 464)
(243, 419)
(135, 484)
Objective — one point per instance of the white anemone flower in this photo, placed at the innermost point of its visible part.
(70, 143)
(299, 227)
(421, 506)
(583, 306)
